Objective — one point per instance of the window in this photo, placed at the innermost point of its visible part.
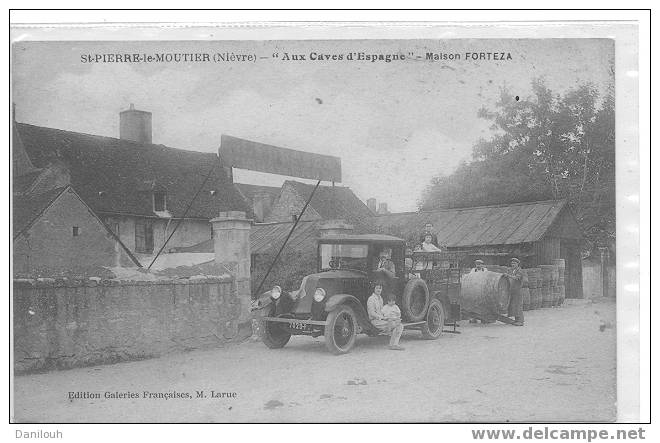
(344, 256)
(144, 236)
(76, 231)
(160, 203)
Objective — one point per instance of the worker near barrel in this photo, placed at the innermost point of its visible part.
(479, 266)
(515, 277)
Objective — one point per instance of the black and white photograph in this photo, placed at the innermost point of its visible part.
(244, 228)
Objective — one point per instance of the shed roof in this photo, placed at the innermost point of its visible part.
(367, 238)
(486, 225)
(118, 176)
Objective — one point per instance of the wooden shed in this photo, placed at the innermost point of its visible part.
(536, 232)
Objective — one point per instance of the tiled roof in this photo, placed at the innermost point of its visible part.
(27, 208)
(485, 225)
(23, 182)
(268, 238)
(335, 202)
(118, 176)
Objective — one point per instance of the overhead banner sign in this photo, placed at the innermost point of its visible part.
(245, 154)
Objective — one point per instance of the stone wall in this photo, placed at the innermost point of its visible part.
(64, 323)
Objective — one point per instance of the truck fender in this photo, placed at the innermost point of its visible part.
(354, 303)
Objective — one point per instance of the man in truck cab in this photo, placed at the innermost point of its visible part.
(385, 263)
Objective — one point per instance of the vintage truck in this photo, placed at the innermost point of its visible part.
(333, 302)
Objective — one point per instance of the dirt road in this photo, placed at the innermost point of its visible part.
(559, 367)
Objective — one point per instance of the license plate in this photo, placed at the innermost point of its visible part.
(297, 325)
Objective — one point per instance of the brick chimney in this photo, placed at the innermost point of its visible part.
(371, 204)
(135, 125)
(382, 208)
(335, 227)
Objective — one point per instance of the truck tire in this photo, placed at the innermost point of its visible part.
(274, 335)
(415, 300)
(435, 320)
(340, 330)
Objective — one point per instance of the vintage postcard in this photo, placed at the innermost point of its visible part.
(360, 224)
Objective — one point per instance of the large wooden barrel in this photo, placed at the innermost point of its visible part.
(561, 267)
(524, 292)
(533, 283)
(556, 295)
(546, 296)
(526, 298)
(535, 298)
(485, 293)
(533, 277)
(546, 275)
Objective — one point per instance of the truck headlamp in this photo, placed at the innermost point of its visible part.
(319, 295)
(276, 292)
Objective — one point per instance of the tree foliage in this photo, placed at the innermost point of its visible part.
(546, 146)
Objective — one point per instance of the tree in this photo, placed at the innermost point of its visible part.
(546, 146)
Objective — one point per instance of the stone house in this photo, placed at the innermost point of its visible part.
(56, 231)
(328, 203)
(140, 190)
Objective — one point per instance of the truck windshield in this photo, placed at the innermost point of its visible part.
(344, 257)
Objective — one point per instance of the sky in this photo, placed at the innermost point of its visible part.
(394, 125)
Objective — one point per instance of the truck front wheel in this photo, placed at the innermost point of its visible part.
(340, 330)
(274, 335)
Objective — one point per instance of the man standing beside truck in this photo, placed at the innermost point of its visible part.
(515, 288)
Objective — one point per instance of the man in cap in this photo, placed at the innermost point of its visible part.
(515, 285)
(479, 266)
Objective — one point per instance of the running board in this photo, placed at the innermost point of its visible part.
(500, 318)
